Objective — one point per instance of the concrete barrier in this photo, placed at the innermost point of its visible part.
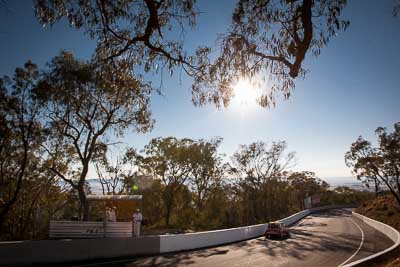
(295, 217)
(181, 242)
(387, 230)
(67, 250)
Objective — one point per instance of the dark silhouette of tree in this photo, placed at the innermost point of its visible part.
(85, 105)
(396, 9)
(381, 162)
(135, 31)
(269, 38)
(20, 134)
(206, 169)
(167, 159)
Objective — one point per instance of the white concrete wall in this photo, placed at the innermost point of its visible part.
(180, 242)
(170, 243)
(295, 217)
(52, 251)
(387, 230)
(18, 253)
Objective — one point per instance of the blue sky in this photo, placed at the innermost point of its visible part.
(352, 87)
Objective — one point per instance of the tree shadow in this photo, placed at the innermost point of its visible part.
(307, 238)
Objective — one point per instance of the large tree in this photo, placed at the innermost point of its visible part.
(380, 162)
(145, 33)
(268, 40)
(259, 169)
(84, 105)
(167, 159)
(205, 169)
(20, 134)
(269, 37)
(260, 162)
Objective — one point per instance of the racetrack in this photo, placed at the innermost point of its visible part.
(328, 238)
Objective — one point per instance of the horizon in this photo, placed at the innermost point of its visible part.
(349, 91)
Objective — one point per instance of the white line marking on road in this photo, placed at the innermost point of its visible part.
(359, 247)
(105, 262)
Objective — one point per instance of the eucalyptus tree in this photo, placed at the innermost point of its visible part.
(258, 162)
(206, 169)
(269, 38)
(85, 105)
(20, 134)
(381, 162)
(148, 34)
(117, 176)
(306, 184)
(167, 159)
(260, 170)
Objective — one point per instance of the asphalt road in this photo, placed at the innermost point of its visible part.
(324, 239)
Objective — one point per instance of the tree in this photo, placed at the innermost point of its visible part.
(269, 38)
(20, 134)
(362, 154)
(258, 162)
(206, 168)
(381, 162)
(260, 170)
(167, 160)
(117, 177)
(135, 31)
(84, 104)
(396, 9)
(272, 36)
(306, 184)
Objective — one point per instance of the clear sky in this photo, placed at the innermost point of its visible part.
(352, 87)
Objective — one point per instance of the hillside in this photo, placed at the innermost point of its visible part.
(384, 209)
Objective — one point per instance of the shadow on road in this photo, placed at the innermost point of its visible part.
(311, 236)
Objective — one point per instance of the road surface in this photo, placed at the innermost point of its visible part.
(323, 239)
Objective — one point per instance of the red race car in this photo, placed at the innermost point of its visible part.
(276, 229)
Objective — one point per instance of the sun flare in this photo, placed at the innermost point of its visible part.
(245, 94)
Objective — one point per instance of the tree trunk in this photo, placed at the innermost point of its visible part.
(84, 205)
(376, 187)
(169, 201)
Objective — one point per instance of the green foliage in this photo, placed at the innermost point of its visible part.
(21, 135)
(84, 104)
(380, 164)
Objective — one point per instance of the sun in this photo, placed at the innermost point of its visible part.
(245, 94)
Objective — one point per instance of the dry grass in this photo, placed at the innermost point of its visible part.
(384, 209)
